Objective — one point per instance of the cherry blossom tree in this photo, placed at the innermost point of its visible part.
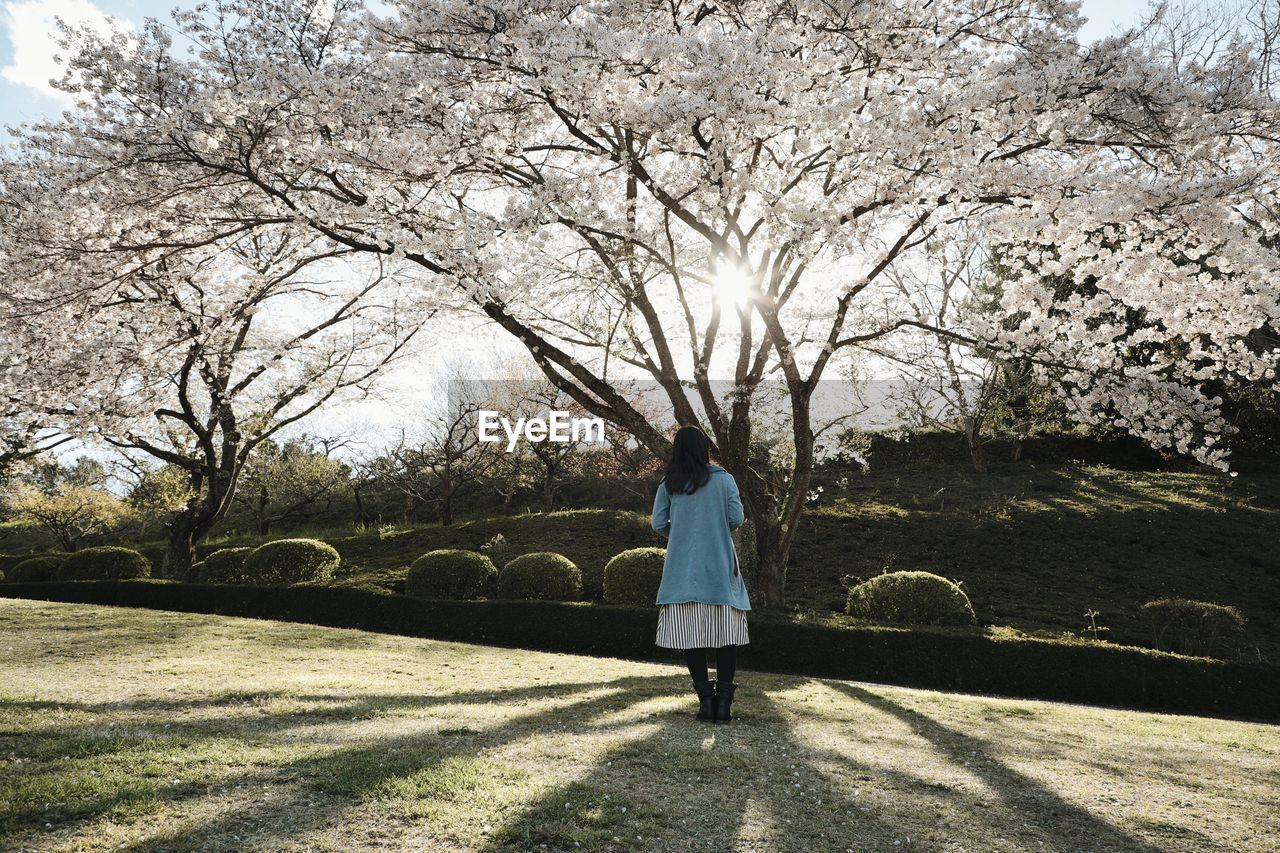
(679, 191)
(199, 361)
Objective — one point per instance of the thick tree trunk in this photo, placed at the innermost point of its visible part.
(771, 563)
(185, 532)
(761, 498)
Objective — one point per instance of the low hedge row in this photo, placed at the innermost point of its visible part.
(930, 658)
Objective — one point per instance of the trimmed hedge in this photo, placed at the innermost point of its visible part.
(222, 566)
(964, 659)
(911, 598)
(288, 561)
(104, 562)
(37, 569)
(450, 574)
(540, 576)
(633, 577)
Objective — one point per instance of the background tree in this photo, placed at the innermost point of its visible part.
(71, 503)
(287, 484)
(945, 383)
(155, 492)
(199, 361)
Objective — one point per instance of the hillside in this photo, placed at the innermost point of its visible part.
(1036, 545)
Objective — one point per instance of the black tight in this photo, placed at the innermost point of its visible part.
(726, 663)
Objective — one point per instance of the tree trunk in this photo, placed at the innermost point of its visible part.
(264, 523)
(185, 531)
(771, 564)
(548, 494)
(973, 438)
(362, 515)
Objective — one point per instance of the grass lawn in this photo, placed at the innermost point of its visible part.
(161, 731)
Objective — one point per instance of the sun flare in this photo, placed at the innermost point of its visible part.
(733, 284)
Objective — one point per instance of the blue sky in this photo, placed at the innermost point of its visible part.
(27, 46)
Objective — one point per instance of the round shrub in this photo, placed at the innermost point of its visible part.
(541, 575)
(633, 577)
(287, 561)
(225, 565)
(1192, 627)
(450, 574)
(8, 561)
(104, 562)
(913, 598)
(37, 569)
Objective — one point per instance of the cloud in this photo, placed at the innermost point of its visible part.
(32, 27)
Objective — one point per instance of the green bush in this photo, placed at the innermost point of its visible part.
(450, 574)
(287, 561)
(913, 598)
(542, 576)
(37, 569)
(104, 562)
(1192, 627)
(158, 554)
(8, 561)
(633, 577)
(223, 566)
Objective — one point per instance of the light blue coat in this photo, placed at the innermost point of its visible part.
(701, 561)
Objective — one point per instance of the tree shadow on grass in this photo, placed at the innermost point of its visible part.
(758, 785)
(692, 785)
(1074, 828)
(42, 750)
(288, 802)
(652, 778)
(327, 786)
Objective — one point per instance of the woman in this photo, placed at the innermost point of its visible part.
(702, 598)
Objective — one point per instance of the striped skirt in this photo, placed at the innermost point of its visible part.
(695, 625)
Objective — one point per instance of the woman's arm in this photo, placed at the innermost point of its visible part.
(661, 510)
(733, 506)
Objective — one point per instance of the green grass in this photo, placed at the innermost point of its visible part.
(145, 730)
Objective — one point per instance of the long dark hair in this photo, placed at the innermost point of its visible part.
(690, 455)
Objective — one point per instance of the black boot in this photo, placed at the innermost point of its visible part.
(706, 699)
(724, 702)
